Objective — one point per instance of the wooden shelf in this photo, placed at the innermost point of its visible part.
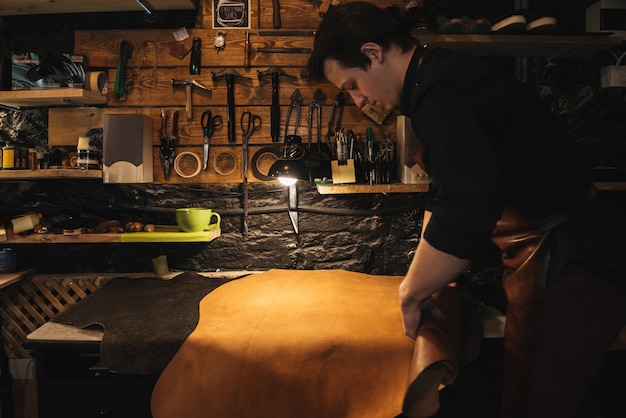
(418, 188)
(164, 233)
(366, 188)
(70, 173)
(565, 46)
(7, 279)
(21, 7)
(51, 97)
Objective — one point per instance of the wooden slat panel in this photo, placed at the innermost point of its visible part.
(152, 47)
(66, 125)
(152, 68)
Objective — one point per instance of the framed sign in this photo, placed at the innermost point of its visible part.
(231, 14)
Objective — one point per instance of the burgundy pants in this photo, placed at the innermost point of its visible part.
(580, 317)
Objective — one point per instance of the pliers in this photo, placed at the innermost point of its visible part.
(296, 103)
(168, 142)
(315, 106)
(334, 124)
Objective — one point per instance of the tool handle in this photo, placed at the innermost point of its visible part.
(230, 99)
(275, 110)
(196, 56)
(246, 51)
(188, 108)
(174, 134)
(276, 13)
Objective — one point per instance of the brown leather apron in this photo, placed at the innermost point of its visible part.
(524, 241)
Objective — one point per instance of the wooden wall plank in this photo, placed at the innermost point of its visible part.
(150, 72)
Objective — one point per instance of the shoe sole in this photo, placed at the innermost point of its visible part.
(542, 24)
(515, 23)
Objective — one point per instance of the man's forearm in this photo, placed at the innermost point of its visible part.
(430, 270)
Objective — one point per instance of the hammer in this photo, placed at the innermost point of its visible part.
(229, 74)
(188, 84)
(275, 72)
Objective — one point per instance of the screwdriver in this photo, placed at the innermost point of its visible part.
(246, 51)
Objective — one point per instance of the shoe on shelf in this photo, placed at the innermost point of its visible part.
(478, 25)
(452, 25)
(509, 23)
(524, 21)
(537, 23)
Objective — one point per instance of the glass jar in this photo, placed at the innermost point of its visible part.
(9, 156)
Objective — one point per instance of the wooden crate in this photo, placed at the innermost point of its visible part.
(33, 301)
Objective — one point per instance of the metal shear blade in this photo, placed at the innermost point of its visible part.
(296, 103)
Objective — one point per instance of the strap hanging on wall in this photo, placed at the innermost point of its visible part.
(126, 52)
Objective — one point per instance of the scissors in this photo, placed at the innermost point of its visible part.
(249, 124)
(209, 123)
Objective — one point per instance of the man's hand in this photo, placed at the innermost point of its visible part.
(412, 315)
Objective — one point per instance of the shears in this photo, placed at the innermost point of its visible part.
(208, 123)
(250, 123)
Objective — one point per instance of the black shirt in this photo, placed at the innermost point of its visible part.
(488, 143)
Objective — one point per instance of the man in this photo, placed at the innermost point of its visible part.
(503, 168)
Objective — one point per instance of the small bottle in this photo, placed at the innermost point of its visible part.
(8, 156)
(32, 158)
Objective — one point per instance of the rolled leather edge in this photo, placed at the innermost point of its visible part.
(435, 361)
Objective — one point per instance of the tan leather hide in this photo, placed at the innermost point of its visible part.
(314, 343)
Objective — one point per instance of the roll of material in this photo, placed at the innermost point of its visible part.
(98, 81)
(187, 164)
(225, 163)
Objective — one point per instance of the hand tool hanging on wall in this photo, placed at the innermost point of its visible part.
(188, 84)
(250, 123)
(296, 103)
(230, 76)
(168, 141)
(275, 74)
(208, 123)
(196, 56)
(334, 124)
(246, 51)
(316, 107)
(276, 14)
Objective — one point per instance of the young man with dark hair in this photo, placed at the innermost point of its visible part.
(503, 169)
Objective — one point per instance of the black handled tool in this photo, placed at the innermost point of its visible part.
(230, 75)
(275, 73)
(196, 56)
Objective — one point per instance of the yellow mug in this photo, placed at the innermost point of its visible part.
(197, 219)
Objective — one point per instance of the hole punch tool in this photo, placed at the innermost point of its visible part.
(208, 123)
(296, 103)
(250, 123)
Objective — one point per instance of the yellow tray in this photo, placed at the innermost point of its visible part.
(171, 233)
